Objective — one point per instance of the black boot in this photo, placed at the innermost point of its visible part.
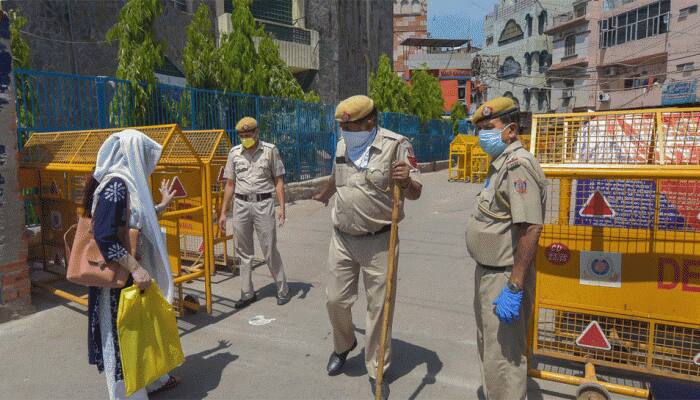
(336, 361)
(245, 303)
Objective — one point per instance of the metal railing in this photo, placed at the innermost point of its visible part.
(305, 133)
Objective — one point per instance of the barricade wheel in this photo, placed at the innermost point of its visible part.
(191, 303)
(592, 391)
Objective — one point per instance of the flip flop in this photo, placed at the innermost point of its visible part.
(171, 383)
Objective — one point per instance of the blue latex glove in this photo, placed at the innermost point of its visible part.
(508, 305)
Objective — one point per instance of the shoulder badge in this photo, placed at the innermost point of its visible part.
(513, 162)
(410, 154)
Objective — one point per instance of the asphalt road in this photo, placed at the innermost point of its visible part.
(44, 355)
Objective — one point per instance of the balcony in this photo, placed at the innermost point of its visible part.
(566, 21)
(298, 47)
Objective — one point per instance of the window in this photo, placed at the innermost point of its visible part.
(489, 40)
(686, 68)
(541, 100)
(544, 61)
(684, 12)
(579, 10)
(180, 5)
(541, 22)
(637, 81)
(462, 90)
(528, 22)
(512, 32)
(528, 63)
(650, 20)
(526, 96)
(570, 46)
(509, 69)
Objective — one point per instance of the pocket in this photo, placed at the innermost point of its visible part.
(379, 178)
(241, 167)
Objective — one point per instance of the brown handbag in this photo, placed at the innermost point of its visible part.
(86, 266)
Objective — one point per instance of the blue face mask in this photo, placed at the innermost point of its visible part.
(490, 141)
(357, 142)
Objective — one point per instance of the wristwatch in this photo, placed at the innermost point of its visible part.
(513, 287)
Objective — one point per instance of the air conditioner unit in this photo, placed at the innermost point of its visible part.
(567, 93)
(610, 71)
(603, 97)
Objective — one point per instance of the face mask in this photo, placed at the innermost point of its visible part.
(357, 142)
(490, 141)
(248, 142)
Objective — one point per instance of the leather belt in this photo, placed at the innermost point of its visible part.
(384, 229)
(253, 197)
(490, 268)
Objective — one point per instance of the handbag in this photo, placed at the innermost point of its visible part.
(86, 266)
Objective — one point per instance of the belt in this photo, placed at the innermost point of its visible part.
(253, 197)
(490, 268)
(384, 229)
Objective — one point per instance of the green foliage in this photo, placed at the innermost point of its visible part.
(139, 54)
(389, 92)
(426, 96)
(200, 56)
(25, 95)
(237, 53)
(457, 113)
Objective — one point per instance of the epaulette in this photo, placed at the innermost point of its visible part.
(513, 162)
(391, 135)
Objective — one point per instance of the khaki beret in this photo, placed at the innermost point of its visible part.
(493, 109)
(246, 124)
(354, 108)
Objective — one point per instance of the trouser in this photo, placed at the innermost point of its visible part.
(502, 347)
(348, 255)
(261, 217)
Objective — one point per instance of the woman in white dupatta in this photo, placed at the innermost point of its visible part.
(124, 163)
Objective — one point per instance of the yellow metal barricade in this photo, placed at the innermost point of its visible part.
(460, 157)
(479, 165)
(618, 265)
(55, 166)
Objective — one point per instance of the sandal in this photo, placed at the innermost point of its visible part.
(171, 383)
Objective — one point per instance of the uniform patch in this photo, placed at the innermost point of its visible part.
(513, 162)
(520, 186)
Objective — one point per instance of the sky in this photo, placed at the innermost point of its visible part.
(458, 19)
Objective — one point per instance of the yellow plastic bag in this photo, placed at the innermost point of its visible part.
(149, 341)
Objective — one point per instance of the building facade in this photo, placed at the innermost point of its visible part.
(517, 52)
(325, 42)
(573, 75)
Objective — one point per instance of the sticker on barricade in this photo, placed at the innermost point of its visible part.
(593, 337)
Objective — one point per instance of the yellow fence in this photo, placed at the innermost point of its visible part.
(57, 165)
(618, 266)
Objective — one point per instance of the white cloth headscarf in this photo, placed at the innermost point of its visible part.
(132, 156)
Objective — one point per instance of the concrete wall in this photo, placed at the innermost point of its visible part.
(410, 21)
(69, 35)
(347, 53)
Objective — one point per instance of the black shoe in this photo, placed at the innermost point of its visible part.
(282, 300)
(243, 303)
(385, 388)
(336, 361)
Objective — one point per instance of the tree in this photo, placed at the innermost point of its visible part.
(25, 95)
(200, 55)
(389, 92)
(275, 77)
(237, 52)
(139, 54)
(457, 113)
(426, 96)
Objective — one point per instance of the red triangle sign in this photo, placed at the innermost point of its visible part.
(221, 177)
(593, 337)
(696, 359)
(179, 189)
(597, 206)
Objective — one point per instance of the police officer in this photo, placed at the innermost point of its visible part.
(502, 235)
(253, 171)
(368, 160)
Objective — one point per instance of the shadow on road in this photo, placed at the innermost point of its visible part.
(297, 290)
(405, 357)
(201, 373)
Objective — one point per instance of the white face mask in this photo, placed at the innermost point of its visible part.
(357, 142)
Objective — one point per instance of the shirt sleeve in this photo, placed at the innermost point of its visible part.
(109, 216)
(277, 164)
(525, 197)
(407, 154)
(230, 168)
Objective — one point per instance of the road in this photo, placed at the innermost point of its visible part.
(228, 358)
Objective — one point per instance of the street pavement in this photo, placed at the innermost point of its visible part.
(229, 355)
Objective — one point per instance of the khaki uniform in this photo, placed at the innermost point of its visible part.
(363, 205)
(514, 193)
(254, 173)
